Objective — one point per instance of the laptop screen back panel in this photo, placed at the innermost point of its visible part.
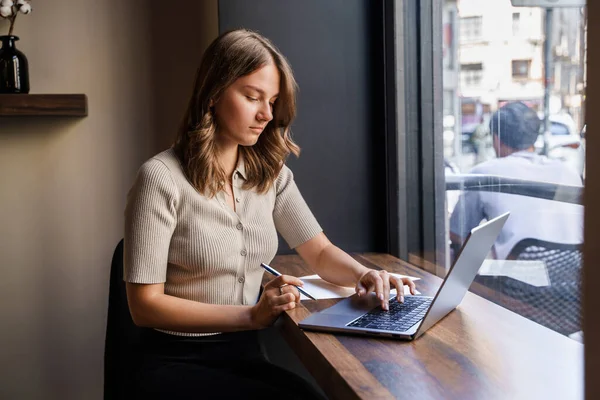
(463, 272)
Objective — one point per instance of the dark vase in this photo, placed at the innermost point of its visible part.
(14, 70)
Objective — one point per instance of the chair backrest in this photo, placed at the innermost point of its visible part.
(563, 261)
(122, 335)
(557, 306)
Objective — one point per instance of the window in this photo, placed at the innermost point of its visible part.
(534, 268)
(469, 159)
(521, 69)
(516, 21)
(471, 74)
(470, 29)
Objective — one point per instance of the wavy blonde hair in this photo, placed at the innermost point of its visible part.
(232, 55)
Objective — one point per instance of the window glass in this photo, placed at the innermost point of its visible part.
(470, 29)
(513, 114)
(516, 22)
(471, 74)
(520, 68)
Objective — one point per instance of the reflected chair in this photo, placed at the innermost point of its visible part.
(557, 306)
(121, 354)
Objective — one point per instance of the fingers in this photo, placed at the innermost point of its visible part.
(279, 295)
(283, 280)
(372, 281)
(380, 282)
(399, 285)
(275, 303)
(285, 307)
(291, 289)
(367, 283)
(410, 284)
(360, 289)
(386, 290)
(282, 295)
(379, 287)
(281, 299)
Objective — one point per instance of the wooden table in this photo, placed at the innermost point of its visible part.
(479, 351)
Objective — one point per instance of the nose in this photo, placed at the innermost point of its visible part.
(265, 113)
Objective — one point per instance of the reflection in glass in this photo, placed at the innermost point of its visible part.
(495, 125)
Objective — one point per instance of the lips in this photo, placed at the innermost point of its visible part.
(257, 128)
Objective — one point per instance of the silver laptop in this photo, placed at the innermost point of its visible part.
(409, 320)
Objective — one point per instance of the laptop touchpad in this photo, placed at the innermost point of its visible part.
(354, 305)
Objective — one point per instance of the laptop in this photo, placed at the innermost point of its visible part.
(409, 320)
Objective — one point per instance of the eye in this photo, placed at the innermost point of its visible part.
(251, 98)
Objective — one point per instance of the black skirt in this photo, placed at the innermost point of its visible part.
(224, 366)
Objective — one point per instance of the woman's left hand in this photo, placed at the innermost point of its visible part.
(380, 283)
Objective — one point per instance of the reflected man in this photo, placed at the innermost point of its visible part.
(515, 128)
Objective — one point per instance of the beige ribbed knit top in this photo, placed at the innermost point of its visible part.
(200, 248)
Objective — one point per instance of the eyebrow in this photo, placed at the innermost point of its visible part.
(259, 90)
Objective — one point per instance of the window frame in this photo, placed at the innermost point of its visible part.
(520, 77)
(474, 23)
(516, 24)
(468, 71)
(414, 152)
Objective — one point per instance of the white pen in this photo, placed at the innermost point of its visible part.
(274, 272)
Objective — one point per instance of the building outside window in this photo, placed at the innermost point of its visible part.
(506, 66)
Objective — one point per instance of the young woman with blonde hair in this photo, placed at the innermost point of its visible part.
(202, 216)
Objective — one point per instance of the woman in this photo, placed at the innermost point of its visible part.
(203, 215)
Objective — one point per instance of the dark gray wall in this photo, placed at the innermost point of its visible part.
(336, 51)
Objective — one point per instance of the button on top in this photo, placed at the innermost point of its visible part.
(241, 279)
(239, 226)
(235, 175)
(243, 252)
(237, 199)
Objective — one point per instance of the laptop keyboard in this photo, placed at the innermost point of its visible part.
(400, 317)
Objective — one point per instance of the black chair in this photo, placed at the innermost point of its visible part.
(557, 306)
(121, 349)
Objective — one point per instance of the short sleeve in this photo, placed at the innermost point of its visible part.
(467, 213)
(293, 219)
(150, 219)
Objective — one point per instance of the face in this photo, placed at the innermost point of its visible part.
(246, 107)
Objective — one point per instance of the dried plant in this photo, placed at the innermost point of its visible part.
(9, 10)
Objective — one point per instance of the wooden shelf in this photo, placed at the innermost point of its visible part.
(39, 105)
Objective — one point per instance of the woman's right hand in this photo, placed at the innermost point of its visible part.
(278, 296)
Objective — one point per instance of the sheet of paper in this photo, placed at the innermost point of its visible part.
(532, 272)
(321, 289)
